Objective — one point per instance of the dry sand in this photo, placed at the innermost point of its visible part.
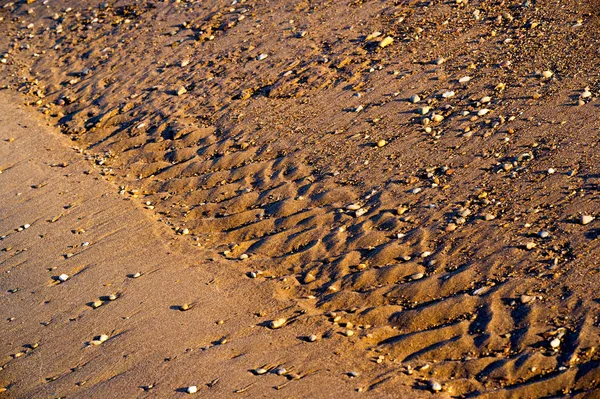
(262, 160)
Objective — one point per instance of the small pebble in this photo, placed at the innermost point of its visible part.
(543, 234)
(181, 91)
(381, 143)
(547, 74)
(586, 219)
(191, 389)
(435, 386)
(555, 343)
(63, 277)
(415, 98)
(277, 323)
(312, 338)
(386, 41)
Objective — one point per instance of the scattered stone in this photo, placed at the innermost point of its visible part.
(415, 98)
(360, 212)
(586, 219)
(99, 339)
(308, 278)
(483, 111)
(527, 298)
(244, 256)
(386, 42)
(63, 277)
(312, 338)
(191, 389)
(381, 143)
(555, 343)
(464, 79)
(181, 91)
(97, 303)
(424, 110)
(435, 386)
(543, 234)
(530, 245)
(277, 323)
(547, 74)
(416, 276)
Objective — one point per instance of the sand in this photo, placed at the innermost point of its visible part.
(264, 160)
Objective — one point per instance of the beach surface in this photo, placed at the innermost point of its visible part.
(299, 199)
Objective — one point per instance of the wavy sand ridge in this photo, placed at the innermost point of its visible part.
(455, 245)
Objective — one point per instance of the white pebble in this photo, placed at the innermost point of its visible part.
(63, 277)
(192, 389)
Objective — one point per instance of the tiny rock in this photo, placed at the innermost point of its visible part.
(277, 323)
(191, 389)
(435, 386)
(386, 41)
(586, 219)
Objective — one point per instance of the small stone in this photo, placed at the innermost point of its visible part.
(435, 386)
(63, 277)
(181, 91)
(185, 307)
(586, 219)
(360, 212)
(244, 256)
(464, 79)
(586, 93)
(416, 276)
(415, 99)
(262, 56)
(381, 143)
(349, 333)
(386, 41)
(191, 389)
(437, 118)
(261, 371)
(543, 234)
(555, 343)
(488, 217)
(483, 111)
(312, 338)
(113, 297)
(277, 323)
(551, 171)
(547, 74)
(527, 298)
(439, 61)
(485, 99)
(96, 304)
(424, 110)
(530, 245)
(308, 278)
(136, 275)
(448, 94)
